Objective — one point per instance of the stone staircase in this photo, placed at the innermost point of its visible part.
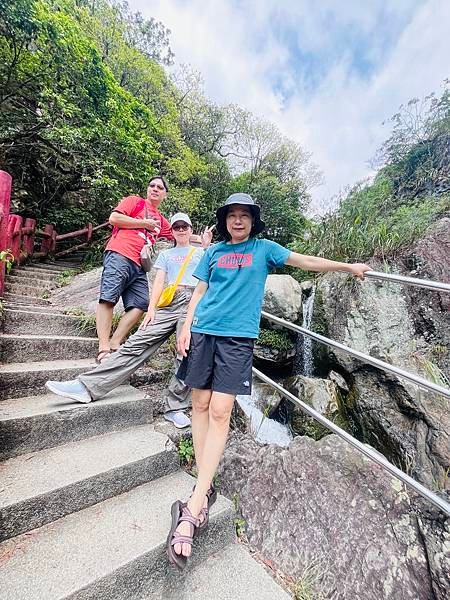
(86, 490)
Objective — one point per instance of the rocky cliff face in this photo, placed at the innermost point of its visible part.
(405, 326)
(321, 507)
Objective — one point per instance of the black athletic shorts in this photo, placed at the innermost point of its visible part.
(221, 364)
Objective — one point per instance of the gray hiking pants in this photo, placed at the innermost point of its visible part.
(139, 347)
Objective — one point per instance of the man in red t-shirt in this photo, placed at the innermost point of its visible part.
(134, 219)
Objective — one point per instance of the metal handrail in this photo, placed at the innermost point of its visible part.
(363, 448)
(438, 286)
(420, 381)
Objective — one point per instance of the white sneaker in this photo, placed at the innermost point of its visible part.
(72, 389)
(178, 418)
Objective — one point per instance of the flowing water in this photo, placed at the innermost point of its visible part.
(307, 355)
(264, 429)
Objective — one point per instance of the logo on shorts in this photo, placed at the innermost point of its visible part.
(233, 261)
(246, 383)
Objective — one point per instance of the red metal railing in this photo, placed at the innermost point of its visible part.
(17, 234)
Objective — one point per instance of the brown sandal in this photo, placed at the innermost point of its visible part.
(180, 513)
(211, 494)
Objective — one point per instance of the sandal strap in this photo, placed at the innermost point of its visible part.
(180, 539)
(188, 519)
(186, 515)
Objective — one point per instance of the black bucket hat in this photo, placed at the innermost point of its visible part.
(246, 200)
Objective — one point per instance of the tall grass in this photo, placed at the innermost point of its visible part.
(371, 221)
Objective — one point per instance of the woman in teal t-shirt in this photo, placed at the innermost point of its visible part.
(221, 325)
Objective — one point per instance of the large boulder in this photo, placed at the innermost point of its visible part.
(271, 357)
(83, 290)
(323, 508)
(283, 298)
(323, 396)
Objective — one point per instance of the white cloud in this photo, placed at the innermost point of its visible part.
(240, 46)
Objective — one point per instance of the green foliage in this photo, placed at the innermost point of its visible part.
(240, 524)
(87, 323)
(94, 254)
(431, 369)
(370, 222)
(65, 277)
(307, 587)
(279, 340)
(186, 451)
(87, 115)
(7, 257)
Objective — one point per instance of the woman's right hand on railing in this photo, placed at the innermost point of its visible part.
(184, 341)
(149, 318)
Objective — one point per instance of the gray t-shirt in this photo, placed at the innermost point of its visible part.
(170, 261)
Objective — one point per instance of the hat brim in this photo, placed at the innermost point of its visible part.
(221, 224)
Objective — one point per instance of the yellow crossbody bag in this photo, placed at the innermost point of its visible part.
(168, 293)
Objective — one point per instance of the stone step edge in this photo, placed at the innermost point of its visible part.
(37, 423)
(9, 296)
(9, 310)
(47, 365)
(111, 548)
(68, 481)
(58, 338)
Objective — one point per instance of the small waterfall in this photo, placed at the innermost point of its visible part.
(264, 429)
(308, 308)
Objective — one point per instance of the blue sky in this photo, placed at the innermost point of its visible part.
(326, 72)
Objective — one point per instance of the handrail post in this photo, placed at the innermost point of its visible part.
(47, 241)
(15, 222)
(5, 203)
(28, 237)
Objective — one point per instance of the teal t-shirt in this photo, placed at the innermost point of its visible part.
(232, 303)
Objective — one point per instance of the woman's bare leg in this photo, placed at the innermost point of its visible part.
(200, 422)
(220, 407)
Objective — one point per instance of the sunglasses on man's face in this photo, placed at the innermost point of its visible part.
(180, 227)
(157, 186)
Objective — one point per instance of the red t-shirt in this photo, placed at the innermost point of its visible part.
(129, 242)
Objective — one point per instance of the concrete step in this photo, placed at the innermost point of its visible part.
(230, 574)
(35, 308)
(19, 379)
(37, 422)
(21, 289)
(15, 299)
(68, 265)
(34, 282)
(41, 271)
(23, 322)
(54, 266)
(111, 550)
(30, 274)
(24, 348)
(41, 487)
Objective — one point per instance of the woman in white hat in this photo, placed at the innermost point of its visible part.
(158, 325)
